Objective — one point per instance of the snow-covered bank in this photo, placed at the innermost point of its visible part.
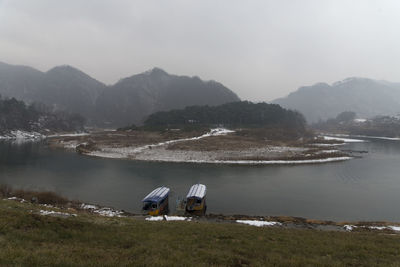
(258, 223)
(346, 140)
(379, 137)
(213, 132)
(67, 135)
(168, 218)
(369, 136)
(349, 227)
(56, 213)
(21, 136)
(272, 162)
(128, 152)
(209, 157)
(104, 211)
(24, 136)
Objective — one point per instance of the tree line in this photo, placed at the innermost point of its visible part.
(235, 114)
(17, 115)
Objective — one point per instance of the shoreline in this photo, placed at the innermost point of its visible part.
(369, 136)
(218, 146)
(78, 209)
(229, 162)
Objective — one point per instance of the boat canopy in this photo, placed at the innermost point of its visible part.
(157, 194)
(197, 190)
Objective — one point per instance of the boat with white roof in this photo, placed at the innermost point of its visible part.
(196, 199)
(156, 202)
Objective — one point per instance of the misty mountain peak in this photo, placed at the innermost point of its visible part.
(156, 72)
(128, 101)
(64, 69)
(366, 97)
(351, 80)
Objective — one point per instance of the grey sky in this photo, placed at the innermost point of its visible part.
(260, 49)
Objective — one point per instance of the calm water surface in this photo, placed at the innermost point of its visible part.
(359, 189)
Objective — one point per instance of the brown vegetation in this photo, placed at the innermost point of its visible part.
(40, 197)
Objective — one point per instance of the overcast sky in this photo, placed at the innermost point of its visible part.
(260, 49)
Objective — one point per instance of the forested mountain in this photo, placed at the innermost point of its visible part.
(21, 82)
(366, 97)
(16, 115)
(65, 88)
(237, 114)
(132, 99)
(346, 122)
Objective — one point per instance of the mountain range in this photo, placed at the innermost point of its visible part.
(128, 101)
(366, 97)
(131, 100)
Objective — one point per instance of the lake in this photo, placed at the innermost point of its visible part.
(366, 188)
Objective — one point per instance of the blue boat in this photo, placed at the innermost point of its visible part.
(156, 202)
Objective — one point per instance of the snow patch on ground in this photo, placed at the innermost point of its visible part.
(22, 136)
(106, 153)
(88, 206)
(271, 162)
(346, 140)
(394, 228)
(360, 120)
(380, 228)
(108, 212)
(17, 199)
(369, 136)
(69, 144)
(177, 218)
(379, 137)
(328, 151)
(168, 218)
(56, 213)
(155, 218)
(348, 227)
(258, 223)
(68, 135)
(126, 152)
(327, 145)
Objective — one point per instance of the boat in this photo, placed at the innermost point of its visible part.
(156, 203)
(196, 199)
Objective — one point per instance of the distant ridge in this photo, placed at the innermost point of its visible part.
(135, 97)
(128, 101)
(366, 97)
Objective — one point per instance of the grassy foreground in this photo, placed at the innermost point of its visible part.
(30, 239)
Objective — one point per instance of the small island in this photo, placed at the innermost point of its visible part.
(233, 133)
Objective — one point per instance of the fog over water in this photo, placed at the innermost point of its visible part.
(260, 49)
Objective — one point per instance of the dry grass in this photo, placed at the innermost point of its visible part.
(224, 142)
(42, 197)
(28, 239)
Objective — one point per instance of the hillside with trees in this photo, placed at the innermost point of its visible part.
(16, 115)
(346, 122)
(242, 114)
(130, 100)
